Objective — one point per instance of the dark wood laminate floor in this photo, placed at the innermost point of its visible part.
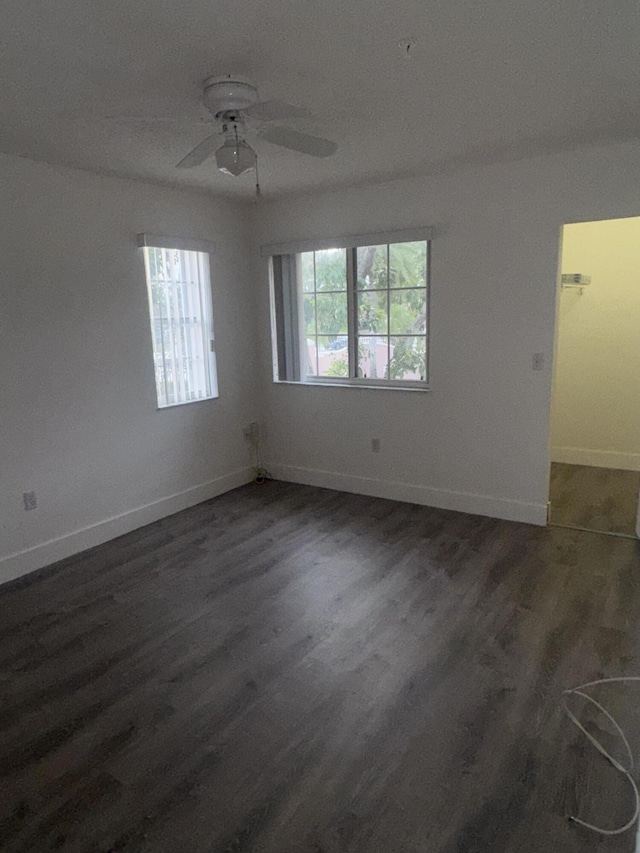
(603, 499)
(287, 669)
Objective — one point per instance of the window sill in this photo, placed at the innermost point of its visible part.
(413, 388)
(186, 403)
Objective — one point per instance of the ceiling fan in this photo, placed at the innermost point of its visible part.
(233, 103)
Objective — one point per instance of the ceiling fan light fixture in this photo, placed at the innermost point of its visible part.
(235, 157)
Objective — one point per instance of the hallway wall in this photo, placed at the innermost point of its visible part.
(596, 398)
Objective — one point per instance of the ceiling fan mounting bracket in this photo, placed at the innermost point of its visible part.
(229, 117)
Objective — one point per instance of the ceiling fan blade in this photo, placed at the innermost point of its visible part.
(274, 111)
(155, 118)
(200, 152)
(287, 138)
(138, 119)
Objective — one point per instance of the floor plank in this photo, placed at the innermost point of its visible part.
(604, 499)
(292, 669)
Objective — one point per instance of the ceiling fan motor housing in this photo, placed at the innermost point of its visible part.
(228, 94)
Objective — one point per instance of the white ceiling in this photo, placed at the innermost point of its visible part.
(485, 82)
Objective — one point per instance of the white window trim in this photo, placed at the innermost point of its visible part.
(357, 382)
(158, 241)
(354, 241)
(206, 248)
(271, 250)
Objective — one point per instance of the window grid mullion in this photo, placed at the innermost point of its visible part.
(196, 325)
(162, 298)
(171, 397)
(388, 316)
(204, 340)
(185, 324)
(352, 313)
(315, 314)
(195, 329)
(199, 344)
(169, 289)
(178, 351)
(427, 318)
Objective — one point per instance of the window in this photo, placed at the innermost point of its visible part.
(179, 291)
(355, 315)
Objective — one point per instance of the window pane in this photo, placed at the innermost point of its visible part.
(178, 287)
(373, 354)
(332, 313)
(309, 308)
(331, 269)
(377, 294)
(408, 358)
(306, 271)
(310, 358)
(332, 360)
(372, 312)
(408, 264)
(371, 267)
(408, 311)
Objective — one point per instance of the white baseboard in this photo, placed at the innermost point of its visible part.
(511, 510)
(596, 458)
(21, 563)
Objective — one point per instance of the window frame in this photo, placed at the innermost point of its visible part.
(276, 251)
(205, 334)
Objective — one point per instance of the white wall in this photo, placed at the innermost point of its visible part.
(78, 417)
(480, 440)
(596, 397)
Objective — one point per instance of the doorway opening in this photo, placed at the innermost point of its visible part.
(595, 409)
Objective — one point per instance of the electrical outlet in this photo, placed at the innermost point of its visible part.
(375, 445)
(29, 500)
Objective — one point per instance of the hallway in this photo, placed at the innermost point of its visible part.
(603, 499)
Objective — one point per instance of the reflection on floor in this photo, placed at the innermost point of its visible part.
(603, 499)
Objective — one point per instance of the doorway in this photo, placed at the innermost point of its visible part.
(595, 411)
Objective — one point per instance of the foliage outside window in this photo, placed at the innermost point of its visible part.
(179, 291)
(353, 316)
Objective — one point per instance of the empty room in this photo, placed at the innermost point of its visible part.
(287, 344)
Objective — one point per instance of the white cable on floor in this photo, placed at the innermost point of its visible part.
(626, 771)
